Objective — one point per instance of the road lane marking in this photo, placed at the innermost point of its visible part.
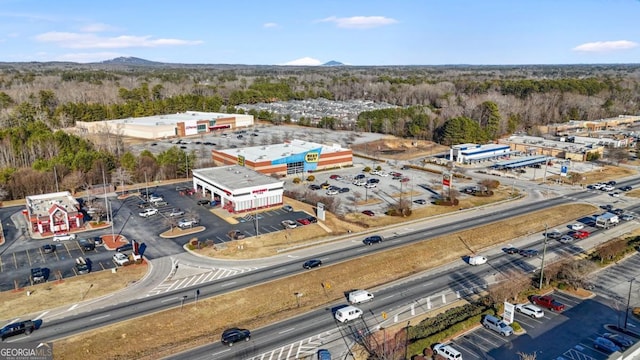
(72, 307)
(41, 315)
(286, 331)
(228, 284)
(100, 317)
(167, 300)
(280, 270)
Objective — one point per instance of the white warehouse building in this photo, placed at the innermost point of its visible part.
(471, 153)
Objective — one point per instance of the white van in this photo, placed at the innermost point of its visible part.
(360, 296)
(447, 352)
(477, 260)
(348, 313)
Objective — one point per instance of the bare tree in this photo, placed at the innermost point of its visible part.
(575, 272)
(122, 176)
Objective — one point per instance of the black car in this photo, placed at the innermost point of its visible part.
(626, 188)
(528, 252)
(620, 340)
(38, 275)
(97, 240)
(87, 245)
(310, 264)
(125, 247)
(372, 240)
(618, 211)
(203, 202)
(315, 187)
(511, 250)
(373, 181)
(612, 183)
(48, 248)
(312, 219)
(607, 207)
(420, 201)
(234, 335)
(23, 327)
(344, 190)
(359, 176)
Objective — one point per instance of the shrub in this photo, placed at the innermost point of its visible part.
(296, 181)
(516, 326)
(311, 178)
(366, 169)
(191, 246)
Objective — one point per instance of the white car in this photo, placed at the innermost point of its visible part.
(148, 212)
(155, 199)
(332, 192)
(383, 174)
(615, 194)
(359, 182)
(565, 239)
(530, 310)
(607, 188)
(370, 185)
(576, 226)
(176, 212)
(187, 223)
(375, 172)
(120, 259)
(627, 217)
(289, 224)
(477, 260)
(64, 237)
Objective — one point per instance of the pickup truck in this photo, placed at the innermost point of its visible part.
(547, 302)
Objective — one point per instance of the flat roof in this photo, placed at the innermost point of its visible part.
(278, 151)
(485, 149)
(235, 177)
(41, 205)
(172, 119)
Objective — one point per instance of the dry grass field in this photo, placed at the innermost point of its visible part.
(173, 330)
(606, 173)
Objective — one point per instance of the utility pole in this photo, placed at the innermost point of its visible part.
(544, 252)
(626, 313)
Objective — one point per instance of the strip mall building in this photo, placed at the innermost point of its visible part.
(289, 158)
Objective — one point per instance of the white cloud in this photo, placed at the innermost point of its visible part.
(270, 25)
(305, 61)
(360, 22)
(97, 27)
(92, 41)
(605, 46)
(89, 57)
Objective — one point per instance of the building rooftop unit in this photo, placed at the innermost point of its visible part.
(235, 177)
(43, 205)
(278, 151)
(546, 143)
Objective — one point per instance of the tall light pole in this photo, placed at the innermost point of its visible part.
(626, 313)
(544, 252)
(255, 211)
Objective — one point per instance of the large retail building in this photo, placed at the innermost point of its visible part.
(237, 188)
(289, 158)
(167, 126)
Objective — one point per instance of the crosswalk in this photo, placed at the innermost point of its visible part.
(196, 276)
(303, 349)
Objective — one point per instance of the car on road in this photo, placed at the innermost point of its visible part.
(626, 188)
(233, 335)
(576, 226)
(187, 223)
(343, 190)
(236, 235)
(125, 247)
(374, 239)
(627, 217)
(605, 345)
(310, 264)
(48, 248)
(287, 208)
(176, 212)
(87, 245)
(21, 327)
(617, 211)
(420, 201)
(148, 212)
(530, 310)
(615, 194)
(622, 341)
(289, 224)
(580, 234)
(120, 259)
(303, 221)
(511, 250)
(64, 237)
(528, 252)
(554, 234)
(607, 188)
(547, 302)
(368, 212)
(566, 239)
(323, 354)
(607, 207)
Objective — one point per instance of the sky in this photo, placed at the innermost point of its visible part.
(306, 32)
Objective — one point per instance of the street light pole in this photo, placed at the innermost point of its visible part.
(544, 252)
(626, 313)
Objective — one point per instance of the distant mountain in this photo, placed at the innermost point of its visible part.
(129, 60)
(333, 63)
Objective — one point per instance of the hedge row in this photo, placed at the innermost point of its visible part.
(445, 320)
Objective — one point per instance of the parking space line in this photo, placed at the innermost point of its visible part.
(1, 265)
(66, 248)
(15, 261)
(41, 254)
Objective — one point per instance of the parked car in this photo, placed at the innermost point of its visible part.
(547, 302)
(315, 187)
(566, 239)
(87, 245)
(176, 212)
(369, 185)
(303, 221)
(287, 208)
(528, 252)
(368, 212)
(148, 212)
(477, 260)
(626, 188)
(187, 223)
(289, 224)
(312, 219)
(576, 226)
(622, 341)
(81, 266)
(605, 345)
(120, 259)
(236, 235)
(48, 248)
(233, 335)
(309, 264)
(332, 192)
(617, 211)
(530, 310)
(359, 176)
(21, 327)
(203, 202)
(420, 201)
(97, 240)
(335, 177)
(511, 250)
(64, 237)
(627, 217)
(344, 190)
(125, 247)
(373, 181)
(374, 239)
(580, 234)
(38, 275)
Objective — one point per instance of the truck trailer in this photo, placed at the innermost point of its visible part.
(607, 220)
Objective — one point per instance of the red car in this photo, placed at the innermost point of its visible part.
(404, 180)
(580, 234)
(335, 177)
(368, 212)
(303, 221)
(395, 173)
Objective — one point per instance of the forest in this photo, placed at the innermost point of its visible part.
(446, 104)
